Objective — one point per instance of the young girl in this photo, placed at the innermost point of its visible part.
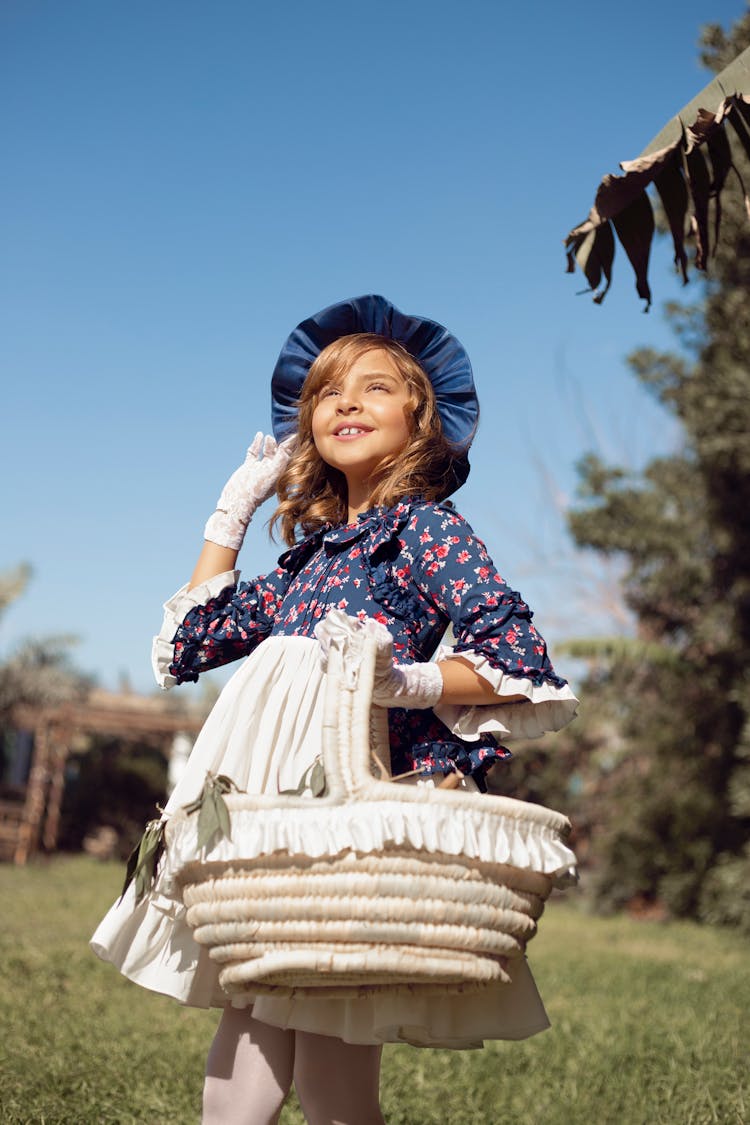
(375, 411)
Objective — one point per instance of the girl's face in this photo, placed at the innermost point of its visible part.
(363, 419)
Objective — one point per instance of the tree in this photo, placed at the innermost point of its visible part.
(39, 673)
(680, 692)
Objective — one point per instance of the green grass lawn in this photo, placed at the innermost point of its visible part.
(650, 1025)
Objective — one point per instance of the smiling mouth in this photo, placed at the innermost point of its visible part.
(351, 431)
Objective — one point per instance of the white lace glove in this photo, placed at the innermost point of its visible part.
(246, 489)
(413, 686)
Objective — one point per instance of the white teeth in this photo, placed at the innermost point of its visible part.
(351, 430)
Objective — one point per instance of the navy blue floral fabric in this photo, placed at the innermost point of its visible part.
(416, 568)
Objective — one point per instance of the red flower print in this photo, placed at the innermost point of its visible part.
(432, 543)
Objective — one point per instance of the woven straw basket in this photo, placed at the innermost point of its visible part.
(450, 891)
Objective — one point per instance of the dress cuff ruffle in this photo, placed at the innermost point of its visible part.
(547, 707)
(176, 610)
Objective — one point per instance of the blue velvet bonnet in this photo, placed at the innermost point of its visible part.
(439, 354)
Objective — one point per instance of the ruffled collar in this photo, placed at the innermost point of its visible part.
(380, 523)
(373, 528)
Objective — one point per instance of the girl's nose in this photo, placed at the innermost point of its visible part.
(346, 404)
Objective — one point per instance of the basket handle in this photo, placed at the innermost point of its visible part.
(351, 724)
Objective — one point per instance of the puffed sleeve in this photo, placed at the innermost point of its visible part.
(493, 630)
(214, 623)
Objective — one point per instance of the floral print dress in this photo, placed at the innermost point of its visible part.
(417, 568)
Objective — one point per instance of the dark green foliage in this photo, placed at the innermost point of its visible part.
(678, 795)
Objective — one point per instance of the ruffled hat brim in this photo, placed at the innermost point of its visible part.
(438, 352)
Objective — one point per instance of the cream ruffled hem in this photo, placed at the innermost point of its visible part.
(152, 945)
(176, 610)
(547, 708)
(529, 840)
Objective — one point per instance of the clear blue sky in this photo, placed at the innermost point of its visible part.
(183, 182)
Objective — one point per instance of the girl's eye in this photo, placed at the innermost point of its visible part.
(378, 387)
(329, 391)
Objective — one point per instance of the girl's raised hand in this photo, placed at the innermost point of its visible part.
(246, 489)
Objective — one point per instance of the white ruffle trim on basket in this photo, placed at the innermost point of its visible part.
(546, 708)
(176, 610)
(461, 827)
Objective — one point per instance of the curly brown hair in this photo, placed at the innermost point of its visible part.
(312, 493)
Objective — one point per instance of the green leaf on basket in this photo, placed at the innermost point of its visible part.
(144, 860)
(314, 779)
(318, 779)
(130, 869)
(213, 814)
(208, 821)
(222, 813)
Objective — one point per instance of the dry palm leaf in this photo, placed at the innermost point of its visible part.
(688, 163)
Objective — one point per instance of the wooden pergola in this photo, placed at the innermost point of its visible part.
(34, 822)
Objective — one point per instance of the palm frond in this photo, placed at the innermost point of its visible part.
(688, 163)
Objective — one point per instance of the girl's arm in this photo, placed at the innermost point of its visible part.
(246, 489)
(465, 687)
(212, 560)
(214, 620)
(498, 678)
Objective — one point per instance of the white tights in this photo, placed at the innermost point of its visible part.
(251, 1067)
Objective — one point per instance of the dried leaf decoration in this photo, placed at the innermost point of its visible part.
(688, 163)
(317, 779)
(144, 860)
(213, 814)
(314, 779)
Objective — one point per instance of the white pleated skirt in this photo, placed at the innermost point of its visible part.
(264, 732)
